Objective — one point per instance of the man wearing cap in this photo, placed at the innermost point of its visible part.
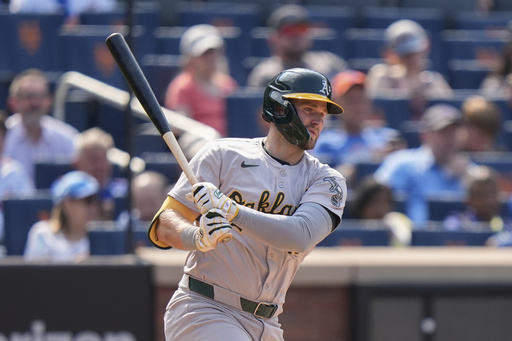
(199, 91)
(290, 44)
(358, 135)
(405, 71)
(436, 168)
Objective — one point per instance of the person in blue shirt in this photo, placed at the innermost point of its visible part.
(360, 135)
(436, 168)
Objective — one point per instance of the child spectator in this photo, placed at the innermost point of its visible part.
(483, 204)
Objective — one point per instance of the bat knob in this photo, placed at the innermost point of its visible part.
(226, 239)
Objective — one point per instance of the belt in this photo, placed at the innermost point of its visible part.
(258, 309)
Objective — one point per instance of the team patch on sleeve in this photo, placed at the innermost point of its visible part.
(335, 188)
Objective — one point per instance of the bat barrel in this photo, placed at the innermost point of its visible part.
(136, 80)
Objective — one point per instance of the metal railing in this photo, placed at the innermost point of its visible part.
(192, 134)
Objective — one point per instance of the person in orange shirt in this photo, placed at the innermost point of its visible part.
(199, 91)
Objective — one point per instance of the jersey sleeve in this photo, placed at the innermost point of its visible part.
(329, 189)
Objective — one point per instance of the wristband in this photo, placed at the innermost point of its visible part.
(188, 238)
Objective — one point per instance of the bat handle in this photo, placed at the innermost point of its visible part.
(172, 143)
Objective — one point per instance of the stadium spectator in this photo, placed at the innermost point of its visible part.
(374, 202)
(93, 148)
(63, 238)
(499, 81)
(148, 190)
(290, 45)
(70, 8)
(500, 239)
(483, 204)
(32, 134)
(483, 120)
(405, 71)
(356, 135)
(199, 91)
(13, 178)
(485, 6)
(436, 168)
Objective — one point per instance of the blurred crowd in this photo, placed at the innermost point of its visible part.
(446, 149)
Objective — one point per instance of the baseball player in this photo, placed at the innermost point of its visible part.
(271, 198)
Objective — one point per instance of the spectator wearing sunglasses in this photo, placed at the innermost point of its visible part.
(290, 42)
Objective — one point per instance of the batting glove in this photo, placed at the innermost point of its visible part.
(213, 228)
(207, 197)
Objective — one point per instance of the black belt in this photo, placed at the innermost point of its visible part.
(256, 308)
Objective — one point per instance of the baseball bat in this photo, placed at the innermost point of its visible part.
(138, 83)
(142, 90)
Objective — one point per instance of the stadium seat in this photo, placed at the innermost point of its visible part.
(19, 216)
(475, 20)
(338, 18)
(246, 16)
(440, 208)
(140, 238)
(83, 49)
(5, 81)
(446, 6)
(47, 172)
(473, 44)
(79, 108)
(355, 233)
(244, 113)
(363, 64)
(507, 135)
(149, 142)
(431, 19)
(499, 161)
(364, 169)
(30, 41)
(104, 240)
(364, 42)
(323, 39)
(466, 74)
(160, 70)
(146, 14)
(114, 121)
(164, 163)
(397, 110)
(449, 238)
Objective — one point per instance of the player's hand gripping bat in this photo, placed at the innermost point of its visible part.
(138, 83)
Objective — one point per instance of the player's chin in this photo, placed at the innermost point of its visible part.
(308, 145)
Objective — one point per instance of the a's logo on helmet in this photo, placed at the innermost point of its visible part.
(326, 89)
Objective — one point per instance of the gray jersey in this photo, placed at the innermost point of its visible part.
(243, 171)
